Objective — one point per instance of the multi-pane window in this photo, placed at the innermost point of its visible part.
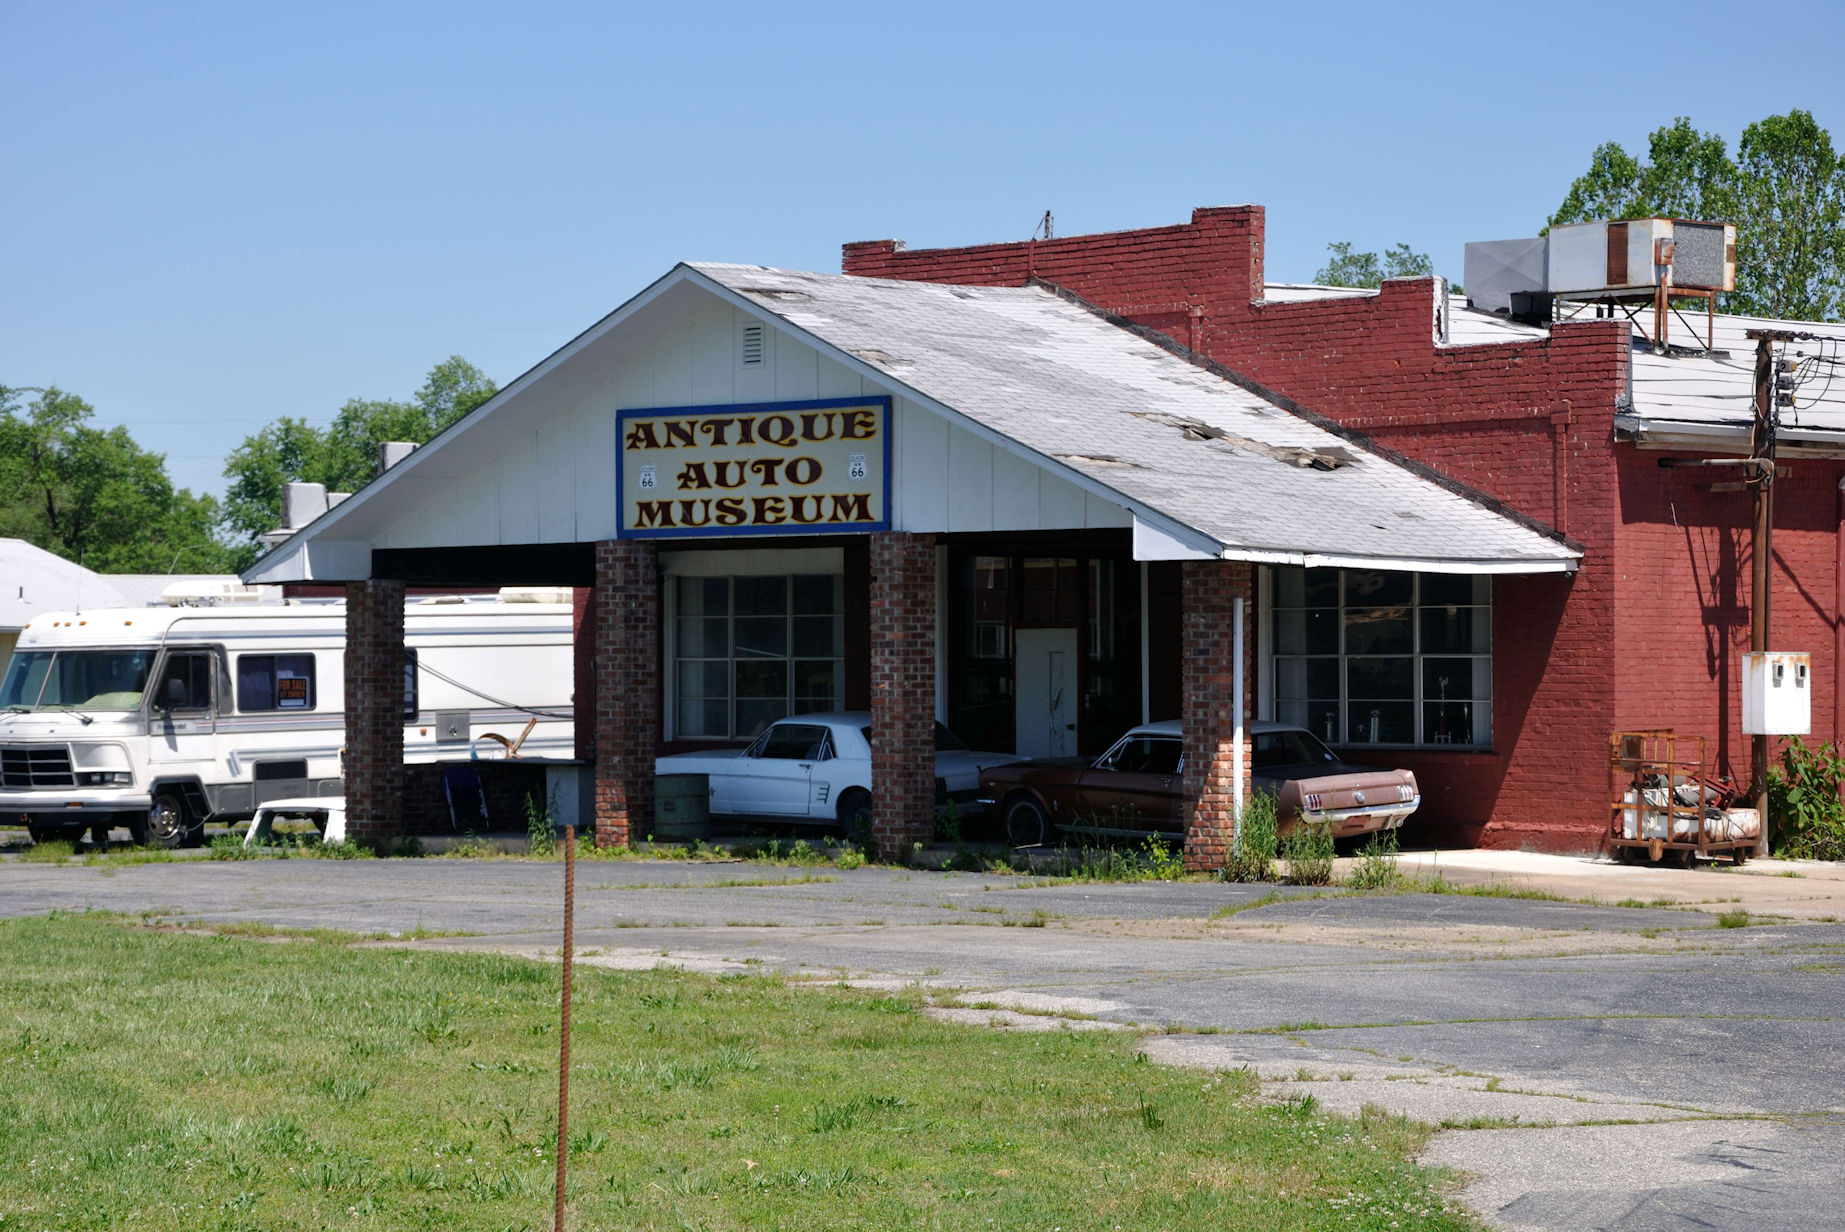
(750, 650)
(1370, 657)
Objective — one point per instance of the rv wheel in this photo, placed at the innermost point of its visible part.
(165, 825)
(46, 833)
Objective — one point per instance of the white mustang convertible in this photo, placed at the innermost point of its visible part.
(817, 768)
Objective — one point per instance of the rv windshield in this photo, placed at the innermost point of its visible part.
(76, 679)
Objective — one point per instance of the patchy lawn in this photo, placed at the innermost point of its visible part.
(156, 1080)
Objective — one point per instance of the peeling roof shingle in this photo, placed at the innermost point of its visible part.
(1162, 432)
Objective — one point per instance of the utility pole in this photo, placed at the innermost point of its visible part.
(1762, 484)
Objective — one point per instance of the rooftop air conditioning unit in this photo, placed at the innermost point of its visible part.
(1597, 260)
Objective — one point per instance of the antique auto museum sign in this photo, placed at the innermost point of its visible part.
(770, 468)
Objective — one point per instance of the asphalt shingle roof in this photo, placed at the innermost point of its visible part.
(1162, 431)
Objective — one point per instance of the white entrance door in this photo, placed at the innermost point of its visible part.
(1045, 714)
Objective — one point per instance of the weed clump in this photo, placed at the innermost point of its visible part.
(1376, 868)
(1308, 849)
(1252, 854)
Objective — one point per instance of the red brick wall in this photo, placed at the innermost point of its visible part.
(627, 694)
(1682, 625)
(1208, 672)
(902, 691)
(1529, 423)
(374, 681)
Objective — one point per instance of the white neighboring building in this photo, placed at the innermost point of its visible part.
(34, 581)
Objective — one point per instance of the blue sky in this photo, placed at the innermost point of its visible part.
(217, 215)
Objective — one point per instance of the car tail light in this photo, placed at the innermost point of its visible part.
(1313, 801)
(1405, 792)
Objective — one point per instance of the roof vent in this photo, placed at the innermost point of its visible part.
(752, 346)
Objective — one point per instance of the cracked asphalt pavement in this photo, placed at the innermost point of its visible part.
(1598, 1066)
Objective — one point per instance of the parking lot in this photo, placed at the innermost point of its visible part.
(1683, 1074)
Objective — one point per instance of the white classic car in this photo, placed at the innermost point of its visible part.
(817, 768)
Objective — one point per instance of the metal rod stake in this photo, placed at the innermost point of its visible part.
(563, 1033)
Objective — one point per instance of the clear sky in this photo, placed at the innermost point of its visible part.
(214, 215)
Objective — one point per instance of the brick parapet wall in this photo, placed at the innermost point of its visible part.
(1529, 423)
(1210, 706)
(625, 617)
(374, 714)
(902, 691)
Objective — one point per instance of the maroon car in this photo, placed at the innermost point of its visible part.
(1135, 787)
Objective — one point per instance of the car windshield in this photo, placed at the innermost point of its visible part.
(946, 741)
(1290, 748)
(76, 680)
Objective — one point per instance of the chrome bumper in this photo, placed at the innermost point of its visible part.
(75, 801)
(1345, 822)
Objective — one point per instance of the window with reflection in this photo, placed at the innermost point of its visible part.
(1371, 657)
(749, 650)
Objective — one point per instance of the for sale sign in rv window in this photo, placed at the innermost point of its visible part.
(291, 692)
(770, 468)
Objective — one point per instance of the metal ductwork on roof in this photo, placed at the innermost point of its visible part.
(1623, 264)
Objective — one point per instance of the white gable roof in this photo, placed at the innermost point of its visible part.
(1204, 466)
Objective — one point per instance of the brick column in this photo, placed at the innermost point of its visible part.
(374, 763)
(625, 609)
(902, 691)
(1208, 681)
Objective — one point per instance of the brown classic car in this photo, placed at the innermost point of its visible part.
(1134, 788)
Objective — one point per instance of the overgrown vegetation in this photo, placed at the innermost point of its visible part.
(1252, 853)
(1807, 819)
(323, 1083)
(1308, 850)
(1376, 866)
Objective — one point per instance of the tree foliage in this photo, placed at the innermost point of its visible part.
(344, 454)
(1345, 268)
(93, 495)
(1784, 190)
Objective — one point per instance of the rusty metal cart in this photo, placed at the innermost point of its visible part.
(1662, 800)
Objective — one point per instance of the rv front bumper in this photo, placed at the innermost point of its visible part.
(75, 803)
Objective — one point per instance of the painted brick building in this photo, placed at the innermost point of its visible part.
(1566, 425)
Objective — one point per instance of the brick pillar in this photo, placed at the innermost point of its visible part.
(1208, 657)
(626, 607)
(374, 764)
(902, 691)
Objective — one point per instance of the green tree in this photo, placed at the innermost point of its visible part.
(1345, 268)
(93, 495)
(1790, 232)
(1785, 191)
(344, 454)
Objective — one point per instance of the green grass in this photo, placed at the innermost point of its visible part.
(155, 1080)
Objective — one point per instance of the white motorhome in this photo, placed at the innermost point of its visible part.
(163, 718)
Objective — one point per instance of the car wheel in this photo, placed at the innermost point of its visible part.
(167, 824)
(1026, 824)
(855, 815)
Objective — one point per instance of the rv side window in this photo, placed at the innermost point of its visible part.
(275, 682)
(185, 683)
(410, 698)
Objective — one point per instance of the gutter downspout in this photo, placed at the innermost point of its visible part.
(1237, 785)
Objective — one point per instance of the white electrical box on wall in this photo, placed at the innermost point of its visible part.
(1777, 689)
